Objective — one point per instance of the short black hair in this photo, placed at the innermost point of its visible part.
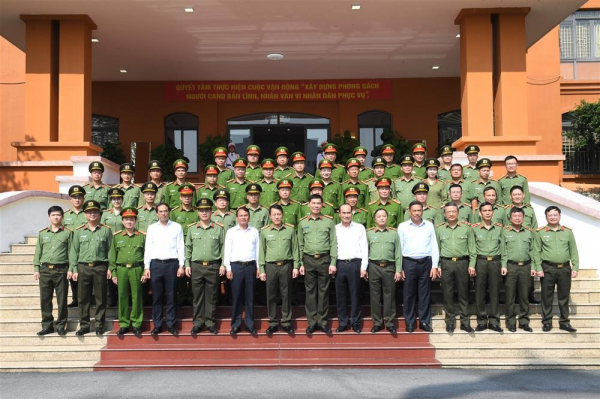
(381, 209)
(516, 209)
(509, 157)
(161, 204)
(276, 207)
(552, 208)
(241, 208)
(454, 185)
(415, 203)
(513, 188)
(485, 204)
(490, 188)
(315, 196)
(450, 205)
(55, 208)
(456, 164)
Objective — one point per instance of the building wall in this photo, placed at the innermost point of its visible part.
(12, 98)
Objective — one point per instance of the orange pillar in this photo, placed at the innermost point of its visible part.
(476, 75)
(510, 75)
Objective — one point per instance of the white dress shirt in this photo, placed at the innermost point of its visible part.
(352, 243)
(419, 241)
(164, 242)
(241, 246)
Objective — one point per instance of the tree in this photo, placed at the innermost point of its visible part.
(205, 150)
(393, 137)
(166, 154)
(113, 152)
(586, 125)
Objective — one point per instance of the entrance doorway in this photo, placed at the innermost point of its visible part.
(272, 137)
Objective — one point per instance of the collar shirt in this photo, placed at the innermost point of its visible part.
(241, 246)
(164, 242)
(419, 241)
(352, 243)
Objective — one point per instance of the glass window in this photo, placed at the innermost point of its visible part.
(105, 129)
(371, 126)
(566, 40)
(314, 138)
(579, 36)
(241, 138)
(182, 132)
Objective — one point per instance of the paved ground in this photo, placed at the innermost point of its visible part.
(255, 384)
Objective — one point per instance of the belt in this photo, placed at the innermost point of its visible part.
(518, 263)
(349, 260)
(381, 263)
(248, 263)
(130, 265)
(93, 264)
(165, 260)
(455, 258)
(207, 263)
(418, 260)
(317, 256)
(55, 265)
(557, 265)
(279, 263)
(488, 258)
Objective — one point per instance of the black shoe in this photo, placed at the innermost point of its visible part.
(82, 331)
(137, 330)
(392, 330)
(234, 331)
(99, 331)
(156, 331)
(356, 328)
(73, 304)
(310, 329)
(325, 329)
(288, 329)
(195, 330)
(467, 328)
(525, 327)
(450, 328)
(48, 330)
(271, 330)
(61, 331)
(410, 328)
(512, 328)
(547, 327)
(533, 301)
(123, 330)
(213, 330)
(425, 327)
(376, 329)
(496, 328)
(481, 327)
(341, 329)
(173, 331)
(252, 331)
(568, 327)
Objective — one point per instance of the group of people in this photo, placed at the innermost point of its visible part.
(262, 225)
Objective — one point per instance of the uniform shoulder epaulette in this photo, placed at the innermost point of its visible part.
(273, 203)
(373, 202)
(191, 224)
(140, 207)
(138, 185)
(45, 228)
(175, 207)
(465, 222)
(392, 228)
(230, 180)
(503, 177)
(107, 210)
(440, 224)
(362, 209)
(498, 224)
(105, 225)
(540, 228)
(327, 203)
(309, 175)
(80, 226)
(295, 202)
(201, 185)
(169, 183)
(507, 228)
(304, 217)
(528, 228)
(219, 224)
(474, 181)
(340, 165)
(289, 225)
(432, 207)
(370, 228)
(328, 217)
(396, 201)
(264, 227)
(568, 228)
(523, 176)
(368, 168)
(67, 228)
(475, 225)
(117, 232)
(466, 204)
(142, 232)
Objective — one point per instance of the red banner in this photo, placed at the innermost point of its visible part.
(283, 90)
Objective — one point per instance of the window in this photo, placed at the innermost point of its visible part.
(579, 39)
(105, 129)
(182, 132)
(371, 126)
(583, 160)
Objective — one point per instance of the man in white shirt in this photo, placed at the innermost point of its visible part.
(420, 257)
(240, 257)
(352, 261)
(164, 261)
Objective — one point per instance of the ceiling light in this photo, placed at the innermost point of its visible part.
(275, 56)
(356, 6)
(123, 70)
(188, 9)
(458, 35)
(95, 40)
(435, 67)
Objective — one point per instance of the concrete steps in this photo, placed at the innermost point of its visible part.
(16, 353)
(58, 366)
(589, 363)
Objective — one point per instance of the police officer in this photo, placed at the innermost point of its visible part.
(419, 168)
(388, 152)
(557, 262)
(155, 171)
(253, 169)
(278, 261)
(210, 185)
(384, 270)
(457, 178)
(457, 250)
(220, 154)
(365, 173)
(378, 165)
(222, 215)
(318, 250)
(431, 213)
(127, 270)
(300, 178)
(338, 172)
(446, 153)
(437, 195)
(96, 190)
(352, 166)
(291, 208)
(332, 190)
(259, 215)
(236, 187)
(172, 198)
(393, 208)
(316, 187)
(470, 170)
(484, 166)
(465, 210)
(132, 192)
(511, 179)
(359, 215)
(489, 196)
(73, 218)
(404, 184)
(487, 266)
(269, 194)
(112, 216)
(50, 267)
(204, 265)
(88, 261)
(282, 170)
(517, 196)
(517, 266)
(147, 212)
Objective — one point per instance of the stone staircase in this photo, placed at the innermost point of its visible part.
(22, 350)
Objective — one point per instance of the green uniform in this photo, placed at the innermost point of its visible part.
(224, 175)
(470, 173)
(253, 174)
(160, 194)
(517, 255)
(438, 194)
(74, 219)
(393, 171)
(98, 194)
(259, 217)
(373, 194)
(282, 173)
(237, 193)
(488, 244)
(457, 251)
(385, 259)
(51, 260)
(467, 192)
(332, 194)
(338, 173)
(88, 257)
(206, 191)
(326, 209)
(444, 174)
(431, 213)
(184, 217)
(291, 212)
(112, 220)
(498, 216)
(363, 197)
(269, 194)
(364, 174)
(465, 213)
(127, 265)
(506, 183)
(555, 253)
(529, 218)
(300, 191)
(317, 244)
(278, 255)
(132, 195)
(146, 216)
(227, 219)
(403, 190)
(419, 171)
(394, 211)
(204, 255)
(359, 215)
(172, 196)
(478, 185)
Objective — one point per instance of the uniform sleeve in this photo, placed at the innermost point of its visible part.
(333, 244)
(531, 249)
(472, 248)
(188, 250)
(370, 218)
(397, 253)
(534, 222)
(300, 245)
(142, 200)
(537, 252)
(526, 195)
(295, 251)
(222, 241)
(503, 252)
(262, 252)
(38, 254)
(367, 194)
(574, 252)
(74, 253)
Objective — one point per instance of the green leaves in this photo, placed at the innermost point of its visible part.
(167, 154)
(586, 124)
